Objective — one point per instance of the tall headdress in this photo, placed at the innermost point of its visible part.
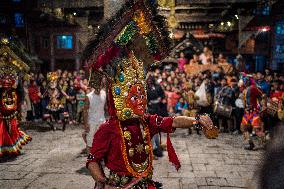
(10, 65)
(125, 47)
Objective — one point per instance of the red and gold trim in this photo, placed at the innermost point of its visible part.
(15, 148)
(128, 162)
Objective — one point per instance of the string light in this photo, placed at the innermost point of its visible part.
(264, 29)
(229, 23)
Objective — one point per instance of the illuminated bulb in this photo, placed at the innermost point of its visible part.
(229, 23)
(74, 13)
(237, 17)
(222, 23)
(264, 29)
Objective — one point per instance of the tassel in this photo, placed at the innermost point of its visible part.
(172, 154)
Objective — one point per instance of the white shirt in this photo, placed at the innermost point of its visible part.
(96, 113)
(204, 60)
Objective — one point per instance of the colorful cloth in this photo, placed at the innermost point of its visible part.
(11, 138)
(251, 118)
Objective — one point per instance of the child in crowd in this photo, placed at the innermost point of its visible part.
(80, 97)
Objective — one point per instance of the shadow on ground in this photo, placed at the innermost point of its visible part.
(83, 171)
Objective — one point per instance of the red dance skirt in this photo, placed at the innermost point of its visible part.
(11, 141)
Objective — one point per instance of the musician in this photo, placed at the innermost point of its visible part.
(226, 96)
(123, 142)
(251, 123)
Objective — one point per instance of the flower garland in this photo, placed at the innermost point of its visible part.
(125, 156)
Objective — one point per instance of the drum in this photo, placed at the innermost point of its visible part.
(223, 110)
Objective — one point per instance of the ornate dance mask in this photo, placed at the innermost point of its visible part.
(8, 78)
(129, 90)
(125, 47)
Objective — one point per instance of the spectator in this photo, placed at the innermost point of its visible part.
(27, 106)
(221, 59)
(80, 97)
(206, 57)
(265, 87)
(44, 97)
(71, 102)
(35, 95)
(181, 62)
(194, 60)
(240, 64)
(181, 106)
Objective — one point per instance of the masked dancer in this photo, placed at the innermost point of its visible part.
(123, 50)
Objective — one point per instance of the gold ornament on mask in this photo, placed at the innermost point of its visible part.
(130, 73)
(139, 18)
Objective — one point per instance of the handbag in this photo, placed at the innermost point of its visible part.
(223, 110)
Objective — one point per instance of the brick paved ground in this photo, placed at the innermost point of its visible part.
(54, 160)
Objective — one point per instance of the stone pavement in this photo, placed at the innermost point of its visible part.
(54, 160)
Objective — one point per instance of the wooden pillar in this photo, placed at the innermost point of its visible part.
(77, 52)
(52, 58)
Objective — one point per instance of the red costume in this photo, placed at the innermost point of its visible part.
(11, 137)
(109, 136)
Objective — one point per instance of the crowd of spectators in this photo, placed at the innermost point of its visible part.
(69, 86)
(180, 91)
(177, 92)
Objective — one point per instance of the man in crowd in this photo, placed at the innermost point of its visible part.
(93, 113)
(262, 83)
(226, 96)
(35, 95)
(156, 105)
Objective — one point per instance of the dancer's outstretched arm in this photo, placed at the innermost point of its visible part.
(186, 122)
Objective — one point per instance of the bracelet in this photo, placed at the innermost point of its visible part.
(196, 123)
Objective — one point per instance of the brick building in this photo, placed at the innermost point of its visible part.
(60, 30)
